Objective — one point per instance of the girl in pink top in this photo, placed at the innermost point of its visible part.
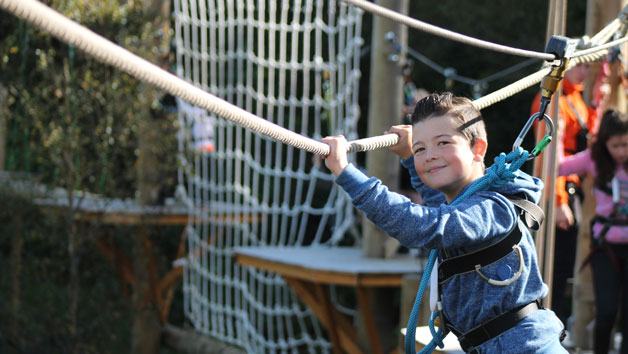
(607, 160)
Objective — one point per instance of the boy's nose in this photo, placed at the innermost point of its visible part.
(429, 154)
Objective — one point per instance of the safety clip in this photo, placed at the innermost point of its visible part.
(543, 143)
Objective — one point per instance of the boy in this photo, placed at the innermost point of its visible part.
(489, 309)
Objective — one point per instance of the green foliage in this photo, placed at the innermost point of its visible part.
(72, 120)
(41, 318)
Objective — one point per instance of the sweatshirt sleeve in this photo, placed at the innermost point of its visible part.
(479, 217)
(576, 164)
(430, 197)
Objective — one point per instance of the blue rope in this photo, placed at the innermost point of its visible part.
(501, 172)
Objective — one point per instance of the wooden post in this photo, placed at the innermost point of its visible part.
(582, 295)
(545, 237)
(386, 100)
(146, 330)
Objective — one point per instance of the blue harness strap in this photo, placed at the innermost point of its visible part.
(501, 172)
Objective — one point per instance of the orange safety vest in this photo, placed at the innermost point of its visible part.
(571, 97)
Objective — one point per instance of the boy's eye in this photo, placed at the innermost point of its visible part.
(418, 150)
(443, 142)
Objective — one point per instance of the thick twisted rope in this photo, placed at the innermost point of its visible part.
(108, 52)
(426, 27)
(595, 53)
(535, 78)
(501, 172)
(596, 49)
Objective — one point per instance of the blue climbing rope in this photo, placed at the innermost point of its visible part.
(501, 172)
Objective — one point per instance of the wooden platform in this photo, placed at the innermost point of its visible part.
(308, 270)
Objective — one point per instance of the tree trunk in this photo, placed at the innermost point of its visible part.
(3, 126)
(146, 325)
(146, 331)
(17, 242)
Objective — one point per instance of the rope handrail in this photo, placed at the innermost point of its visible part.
(593, 54)
(110, 53)
(104, 50)
(435, 30)
(599, 47)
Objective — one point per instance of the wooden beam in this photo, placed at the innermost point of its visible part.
(318, 276)
(312, 299)
(371, 328)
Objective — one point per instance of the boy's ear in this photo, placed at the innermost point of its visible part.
(479, 149)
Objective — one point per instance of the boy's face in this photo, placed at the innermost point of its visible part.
(443, 157)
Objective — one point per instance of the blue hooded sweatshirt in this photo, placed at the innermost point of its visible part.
(473, 223)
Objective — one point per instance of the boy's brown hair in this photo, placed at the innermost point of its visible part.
(460, 108)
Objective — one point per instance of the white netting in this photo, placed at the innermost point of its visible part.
(295, 63)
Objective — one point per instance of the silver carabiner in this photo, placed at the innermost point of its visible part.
(543, 143)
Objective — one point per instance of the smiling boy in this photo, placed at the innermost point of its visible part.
(490, 308)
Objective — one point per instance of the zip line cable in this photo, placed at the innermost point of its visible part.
(600, 47)
(507, 91)
(450, 73)
(437, 31)
(110, 53)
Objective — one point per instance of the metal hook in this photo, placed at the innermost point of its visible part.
(543, 143)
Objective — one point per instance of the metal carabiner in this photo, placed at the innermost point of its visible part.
(543, 143)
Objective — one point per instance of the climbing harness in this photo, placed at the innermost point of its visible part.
(475, 261)
(472, 339)
(616, 218)
(501, 172)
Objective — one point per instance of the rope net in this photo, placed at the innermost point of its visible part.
(296, 63)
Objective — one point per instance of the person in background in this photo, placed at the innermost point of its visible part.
(579, 122)
(606, 160)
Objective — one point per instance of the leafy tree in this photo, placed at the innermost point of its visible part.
(74, 123)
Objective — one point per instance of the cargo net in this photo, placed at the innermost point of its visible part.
(295, 63)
